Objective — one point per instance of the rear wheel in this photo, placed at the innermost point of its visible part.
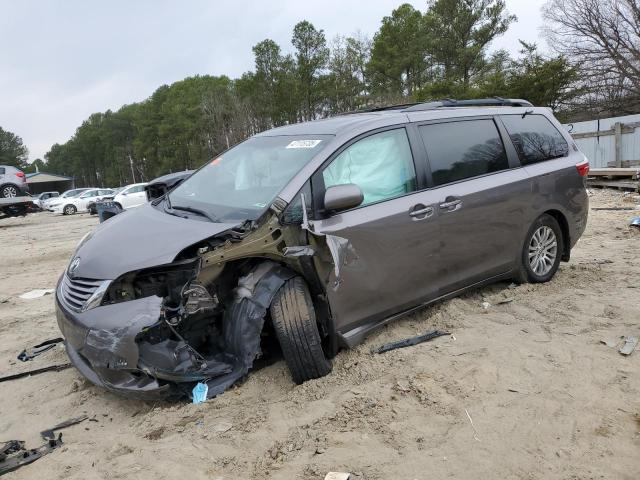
(9, 191)
(542, 251)
(294, 320)
(69, 209)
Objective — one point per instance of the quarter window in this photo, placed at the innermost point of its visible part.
(535, 138)
(381, 165)
(465, 149)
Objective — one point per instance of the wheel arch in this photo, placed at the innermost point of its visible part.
(566, 235)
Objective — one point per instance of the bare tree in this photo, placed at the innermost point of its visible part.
(602, 38)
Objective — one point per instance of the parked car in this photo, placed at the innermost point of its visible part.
(47, 204)
(325, 230)
(43, 197)
(13, 182)
(131, 196)
(74, 204)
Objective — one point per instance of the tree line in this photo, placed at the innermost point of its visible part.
(415, 56)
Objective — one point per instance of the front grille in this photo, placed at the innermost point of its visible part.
(76, 291)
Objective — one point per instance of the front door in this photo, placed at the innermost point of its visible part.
(392, 258)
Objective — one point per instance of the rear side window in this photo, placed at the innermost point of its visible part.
(535, 138)
(2, 172)
(466, 149)
(381, 165)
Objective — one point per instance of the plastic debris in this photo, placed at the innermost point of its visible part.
(200, 393)
(628, 345)
(337, 476)
(486, 305)
(408, 342)
(30, 353)
(37, 293)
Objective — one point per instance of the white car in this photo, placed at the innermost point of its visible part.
(71, 205)
(46, 205)
(131, 196)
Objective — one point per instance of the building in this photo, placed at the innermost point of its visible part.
(48, 182)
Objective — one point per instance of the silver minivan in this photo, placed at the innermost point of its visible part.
(317, 233)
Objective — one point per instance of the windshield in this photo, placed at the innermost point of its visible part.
(242, 182)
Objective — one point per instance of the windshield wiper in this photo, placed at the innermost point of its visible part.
(196, 211)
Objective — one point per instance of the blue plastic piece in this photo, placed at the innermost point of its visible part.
(200, 393)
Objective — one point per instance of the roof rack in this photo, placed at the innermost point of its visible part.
(478, 102)
(451, 103)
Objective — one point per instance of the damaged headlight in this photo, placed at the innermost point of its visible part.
(96, 298)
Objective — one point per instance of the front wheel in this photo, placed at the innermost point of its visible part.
(294, 320)
(542, 251)
(69, 210)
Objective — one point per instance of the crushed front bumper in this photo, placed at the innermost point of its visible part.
(101, 345)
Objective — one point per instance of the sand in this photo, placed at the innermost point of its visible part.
(522, 390)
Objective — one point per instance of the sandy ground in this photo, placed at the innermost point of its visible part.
(522, 390)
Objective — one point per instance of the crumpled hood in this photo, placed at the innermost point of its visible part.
(140, 238)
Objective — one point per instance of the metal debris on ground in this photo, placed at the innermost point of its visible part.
(50, 433)
(635, 222)
(628, 345)
(37, 293)
(14, 455)
(409, 342)
(31, 353)
(37, 371)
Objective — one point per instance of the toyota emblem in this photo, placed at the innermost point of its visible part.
(73, 266)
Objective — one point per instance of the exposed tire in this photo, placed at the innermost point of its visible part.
(8, 191)
(119, 206)
(542, 251)
(294, 320)
(69, 210)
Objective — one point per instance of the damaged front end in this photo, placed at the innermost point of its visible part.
(157, 331)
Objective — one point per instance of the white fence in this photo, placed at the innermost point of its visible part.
(609, 142)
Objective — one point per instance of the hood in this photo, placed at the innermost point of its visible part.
(140, 238)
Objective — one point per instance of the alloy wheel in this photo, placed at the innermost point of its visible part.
(543, 249)
(9, 191)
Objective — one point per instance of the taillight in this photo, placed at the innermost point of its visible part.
(583, 168)
(20, 174)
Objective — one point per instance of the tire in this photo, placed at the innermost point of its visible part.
(294, 320)
(539, 259)
(119, 206)
(69, 210)
(9, 191)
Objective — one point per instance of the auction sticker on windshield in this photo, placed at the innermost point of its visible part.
(304, 144)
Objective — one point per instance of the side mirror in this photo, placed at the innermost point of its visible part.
(342, 197)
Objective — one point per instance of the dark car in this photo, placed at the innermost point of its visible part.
(320, 232)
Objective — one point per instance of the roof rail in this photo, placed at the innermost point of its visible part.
(478, 102)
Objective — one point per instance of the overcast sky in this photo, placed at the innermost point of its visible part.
(63, 60)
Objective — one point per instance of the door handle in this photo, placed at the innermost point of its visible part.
(421, 213)
(451, 205)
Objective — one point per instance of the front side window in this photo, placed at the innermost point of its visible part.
(535, 138)
(90, 193)
(381, 165)
(466, 149)
(242, 182)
